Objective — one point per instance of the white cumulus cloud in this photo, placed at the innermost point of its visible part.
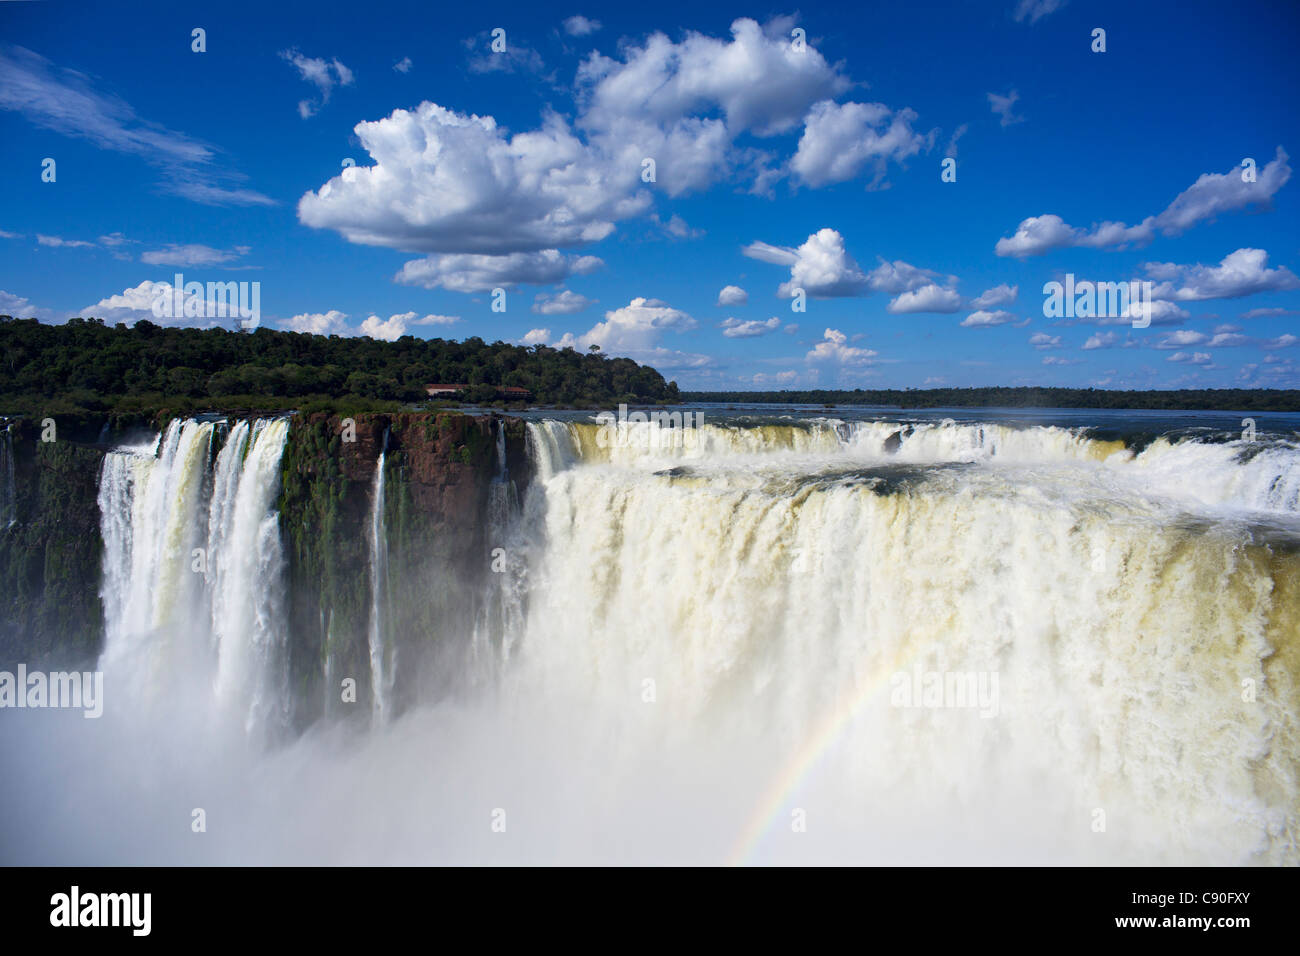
(737, 329)
(478, 273)
(834, 349)
(563, 302)
(839, 139)
(732, 295)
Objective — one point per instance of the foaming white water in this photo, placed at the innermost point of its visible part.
(780, 599)
(1237, 476)
(948, 441)
(150, 521)
(193, 569)
(1234, 474)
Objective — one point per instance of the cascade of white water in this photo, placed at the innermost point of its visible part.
(777, 586)
(502, 473)
(248, 585)
(8, 490)
(192, 569)
(150, 506)
(500, 620)
(382, 672)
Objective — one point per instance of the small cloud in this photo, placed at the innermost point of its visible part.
(403, 65)
(676, 227)
(1192, 358)
(580, 26)
(515, 58)
(732, 295)
(563, 302)
(322, 74)
(395, 326)
(21, 308)
(1101, 340)
(1181, 338)
(332, 322)
(834, 348)
(471, 272)
(1035, 10)
(984, 319)
(951, 149)
(928, 298)
(1269, 313)
(56, 242)
(192, 254)
(1004, 106)
(998, 295)
(736, 329)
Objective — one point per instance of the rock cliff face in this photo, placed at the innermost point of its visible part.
(440, 519)
(50, 553)
(439, 471)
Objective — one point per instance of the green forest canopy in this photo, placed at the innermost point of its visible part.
(85, 368)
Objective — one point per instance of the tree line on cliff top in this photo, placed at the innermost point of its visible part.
(85, 368)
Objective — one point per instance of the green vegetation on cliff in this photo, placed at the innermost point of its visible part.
(438, 468)
(85, 369)
(50, 557)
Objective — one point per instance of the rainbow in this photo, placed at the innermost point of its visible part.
(804, 760)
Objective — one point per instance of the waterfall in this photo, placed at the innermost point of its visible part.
(248, 626)
(501, 619)
(795, 582)
(150, 519)
(8, 490)
(503, 470)
(193, 569)
(382, 654)
(936, 638)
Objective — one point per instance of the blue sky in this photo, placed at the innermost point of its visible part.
(775, 168)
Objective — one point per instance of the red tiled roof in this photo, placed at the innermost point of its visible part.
(501, 390)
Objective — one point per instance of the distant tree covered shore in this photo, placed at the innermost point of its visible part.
(1200, 399)
(85, 369)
